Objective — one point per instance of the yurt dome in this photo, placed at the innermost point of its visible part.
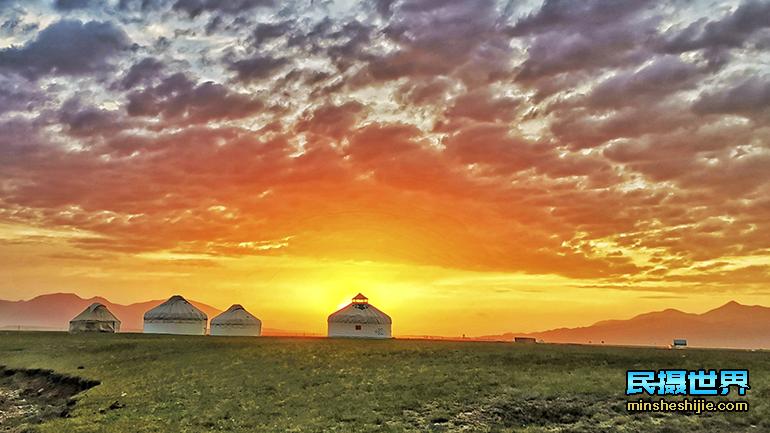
(236, 321)
(175, 316)
(360, 319)
(95, 318)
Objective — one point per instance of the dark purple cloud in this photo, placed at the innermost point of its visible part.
(87, 121)
(19, 96)
(193, 8)
(663, 76)
(67, 47)
(748, 95)
(258, 68)
(142, 72)
(265, 32)
(68, 5)
(179, 99)
(730, 31)
(566, 36)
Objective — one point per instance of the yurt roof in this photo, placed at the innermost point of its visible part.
(236, 315)
(176, 308)
(360, 312)
(96, 312)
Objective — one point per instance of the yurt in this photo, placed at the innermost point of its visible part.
(360, 319)
(95, 318)
(175, 316)
(236, 321)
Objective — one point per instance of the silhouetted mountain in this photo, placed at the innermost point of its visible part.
(54, 311)
(732, 325)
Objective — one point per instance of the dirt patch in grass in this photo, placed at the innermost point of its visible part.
(29, 397)
(563, 414)
(544, 412)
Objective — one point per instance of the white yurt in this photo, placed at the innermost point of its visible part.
(236, 321)
(360, 319)
(95, 318)
(175, 316)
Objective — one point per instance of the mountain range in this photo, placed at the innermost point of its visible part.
(54, 311)
(732, 325)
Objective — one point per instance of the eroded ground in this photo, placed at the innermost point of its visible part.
(29, 397)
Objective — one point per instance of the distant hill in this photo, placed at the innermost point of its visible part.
(54, 311)
(732, 325)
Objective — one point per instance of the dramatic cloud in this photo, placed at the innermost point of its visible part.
(620, 141)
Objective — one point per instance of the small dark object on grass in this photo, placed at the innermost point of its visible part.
(115, 405)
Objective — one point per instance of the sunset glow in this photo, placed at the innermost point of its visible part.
(473, 166)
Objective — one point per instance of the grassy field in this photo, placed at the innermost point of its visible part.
(208, 384)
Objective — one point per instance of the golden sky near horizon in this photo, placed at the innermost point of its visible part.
(473, 166)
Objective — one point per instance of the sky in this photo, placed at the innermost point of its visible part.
(472, 166)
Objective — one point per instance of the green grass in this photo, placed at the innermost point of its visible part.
(208, 384)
